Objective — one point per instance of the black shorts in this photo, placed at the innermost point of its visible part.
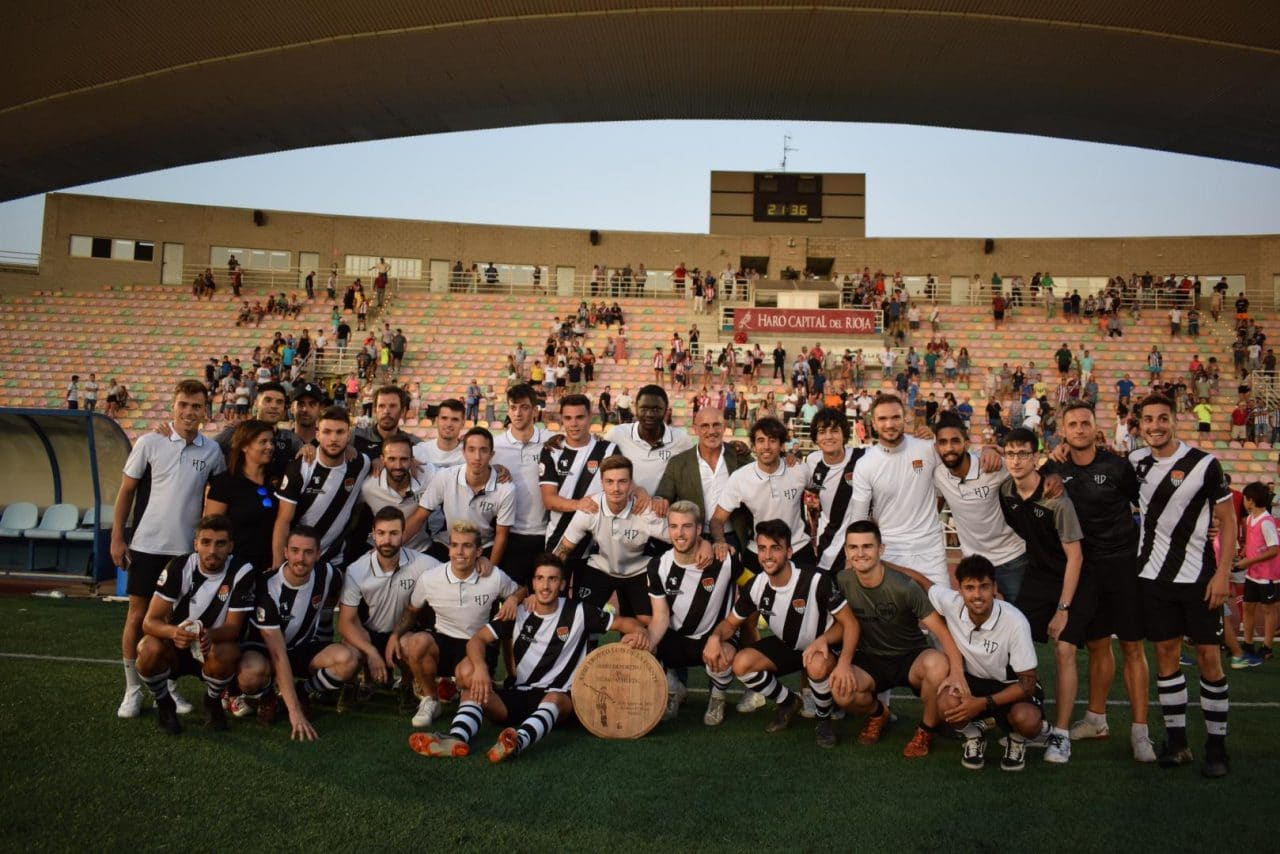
(144, 571)
(676, 650)
(594, 587)
(299, 656)
(452, 651)
(889, 671)
(785, 659)
(186, 665)
(521, 553)
(1038, 601)
(378, 639)
(980, 687)
(1178, 610)
(521, 702)
(1119, 608)
(1261, 592)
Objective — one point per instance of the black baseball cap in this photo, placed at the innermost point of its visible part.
(308, 390)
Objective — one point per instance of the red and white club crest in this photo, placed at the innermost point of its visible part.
(798, 605)
(562, 632)
(593, 466)
(708, 584)
(223, 592)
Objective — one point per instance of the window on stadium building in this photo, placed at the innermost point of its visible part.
(251, 259)
(401, 268)
(113, 248)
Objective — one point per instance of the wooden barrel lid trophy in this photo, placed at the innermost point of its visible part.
(619, 692)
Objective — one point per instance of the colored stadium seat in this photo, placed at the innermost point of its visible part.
(54, 525)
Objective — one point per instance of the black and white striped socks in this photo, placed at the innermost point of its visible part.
(720, 681)
(1214, 702)
(466, 721)
(763, 682)
(821, 697)
(323, 680)
(1173, 705)
(158, 684)
(536, 725)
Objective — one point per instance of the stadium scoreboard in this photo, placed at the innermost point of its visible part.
(799, 203)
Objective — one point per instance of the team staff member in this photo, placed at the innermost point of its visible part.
(892, 650)
(700, 473)
(813, 631)
(287, 636)
(396, 486)
(973, 496)
(243, 492)
(1104, 491)
(832, 466)
(472, 493)
(175, 469)
(994, 639)
(519, 449)
(619, 532)
(1058, 595)
(649, 442)
(321, 493)
(376, 591)
(553, 633)
(1182, 492)
(687, 603)
(459, 600)
(769, 489)
(270, 406)
(194, 621)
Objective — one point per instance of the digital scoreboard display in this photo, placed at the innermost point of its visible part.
(787, 197)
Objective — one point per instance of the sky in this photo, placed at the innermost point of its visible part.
(655, 176)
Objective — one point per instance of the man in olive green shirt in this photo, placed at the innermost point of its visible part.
(892, 650)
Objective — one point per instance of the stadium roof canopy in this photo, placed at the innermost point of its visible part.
(97, 90)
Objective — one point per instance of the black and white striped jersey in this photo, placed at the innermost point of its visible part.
(207, 598)
(302, 614)
(798, 611)
(698, 599)
(324, 498)
(835, 486)
(564, 468)
(549, 648)
(1176, 497)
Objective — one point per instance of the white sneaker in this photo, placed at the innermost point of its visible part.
(1058, 750)
(809, 709)
(182, 706)
(714, 715)
(1143, 749)
(427, 710)
(1040, 742)
(1085, 729)
(131, 705)
(750, 702)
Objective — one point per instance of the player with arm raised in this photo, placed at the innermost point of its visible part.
(550, 640)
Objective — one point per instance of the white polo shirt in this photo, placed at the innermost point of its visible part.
(648, 461)
(999, 646)
(619, 537)
(521, 459)
(179, 472)
(384, 593)
(494, 504)
(461, 605)
(975, 507)
(770, 496)
(377, 493)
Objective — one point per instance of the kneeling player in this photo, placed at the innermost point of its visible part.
(687, 604)
(194, 621)
(995, 641)
(551, 643)
(811, 626)
(460, 600)
(285, 641)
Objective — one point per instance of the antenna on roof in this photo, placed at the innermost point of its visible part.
(786, 149)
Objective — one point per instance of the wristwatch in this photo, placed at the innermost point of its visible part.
(991, 704)
(1064, 606)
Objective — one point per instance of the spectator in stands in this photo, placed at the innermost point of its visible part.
(73, 392)
(91, 393)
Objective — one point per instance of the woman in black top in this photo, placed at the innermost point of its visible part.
(244, 494)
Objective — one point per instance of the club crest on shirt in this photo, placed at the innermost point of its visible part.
(708, 584)
(917, 466)
(1039, 513)
(316, 600)
(260, 615)
(223, 592)
(562, 632)
(593, 466)
(798, 605)
(348, 484)
(848, 477)
(1176, 477)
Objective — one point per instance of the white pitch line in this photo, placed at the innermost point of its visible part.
(27, 656)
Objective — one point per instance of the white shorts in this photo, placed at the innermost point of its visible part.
(932, 565)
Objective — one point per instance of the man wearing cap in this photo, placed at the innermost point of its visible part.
(308, 401)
